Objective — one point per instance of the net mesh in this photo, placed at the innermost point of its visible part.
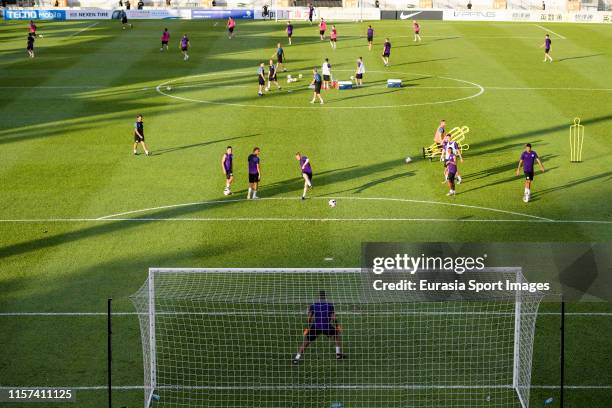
(228, 338)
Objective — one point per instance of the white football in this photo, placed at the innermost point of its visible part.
(408, 159)
(168, 88)
(300, 76)
(352, 78)
(332, 203)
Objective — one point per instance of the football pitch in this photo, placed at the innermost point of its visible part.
(82, 218)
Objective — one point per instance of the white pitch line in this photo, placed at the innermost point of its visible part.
(314, 386)
(550, 31)
(281, 219)
(84, 28)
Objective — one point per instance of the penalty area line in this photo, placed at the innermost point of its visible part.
(283, 219)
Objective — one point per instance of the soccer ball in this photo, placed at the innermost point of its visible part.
(408, 159)
(352, 78)
(168, 88)
(288, 76)
(331, 203)
(300, 76)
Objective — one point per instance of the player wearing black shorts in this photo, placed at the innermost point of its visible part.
(527, 160)
(254, 173)
(272, 76)
(261, 78)
(139, 137)
(30, 46)
(317, 81)
(227, 164)
(165, 38)
(124, 21)
(321, 321)
(306, 170)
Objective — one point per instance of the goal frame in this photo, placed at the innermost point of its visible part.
(152, 369)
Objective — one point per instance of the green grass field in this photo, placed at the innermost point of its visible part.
(81, 218)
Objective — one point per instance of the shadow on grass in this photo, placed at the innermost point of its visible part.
(604, 177)
(191, 146)
(579, 57)
(110, 226)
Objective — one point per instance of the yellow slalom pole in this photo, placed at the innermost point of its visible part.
(576, 140)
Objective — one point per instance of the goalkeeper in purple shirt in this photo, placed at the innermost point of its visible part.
(321, 320)
(528, 159)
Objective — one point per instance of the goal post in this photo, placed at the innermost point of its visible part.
(228, 338)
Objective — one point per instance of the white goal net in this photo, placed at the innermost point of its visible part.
(229, 338)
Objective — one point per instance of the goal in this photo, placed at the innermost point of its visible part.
(227, 338)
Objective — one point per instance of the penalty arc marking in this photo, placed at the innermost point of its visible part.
(401, 200)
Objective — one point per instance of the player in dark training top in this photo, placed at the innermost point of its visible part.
(310, 12)
(184, 46)
(317, 81)
(280, 57)
(289, 31)
(254, 173)
(547, 45)
(306, 170)
(451, 170)
(30, 45)
(272, 76)
(528, 159)
(261, 78)
(321, 320)
(227, 164)
(386, 52)
(370, 35)
(124, 21)
(139, 138)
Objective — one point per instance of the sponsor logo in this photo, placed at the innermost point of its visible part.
(551, 17)
(477, 14)
(221, 14)
(34, 14)
(403, 16)
(89, 14)
(521, 16)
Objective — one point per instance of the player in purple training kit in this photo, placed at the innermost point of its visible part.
(528, 159)
(185, 46)
(306, 170)
(547, 44)
(227, 165)
(370, 35)
(456, 149)
(254, 173)
(321, 320)
(451, 170)
(386, 52)
(289, 31)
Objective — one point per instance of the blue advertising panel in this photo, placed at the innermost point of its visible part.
(34, 14)
(221, 14)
